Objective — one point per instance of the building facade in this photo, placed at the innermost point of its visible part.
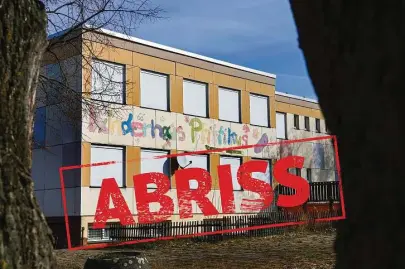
(143, 100)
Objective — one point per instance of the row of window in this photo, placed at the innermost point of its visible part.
(108, 85)
(281, 124)
(162, 165)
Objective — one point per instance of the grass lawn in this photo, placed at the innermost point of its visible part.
(300, 250)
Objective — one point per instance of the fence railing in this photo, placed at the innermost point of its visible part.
(117, 233)
(319, 191)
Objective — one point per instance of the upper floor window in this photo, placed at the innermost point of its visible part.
(281, 127)
(105, 154)
(297, 122)
(298, 172)
(235, 162)
(229, 105)
(306, 122)
(197, 161)
(159, 165)
(108, 82)
(259, 110)
(195, 96)
(318, 125)
(154, 90)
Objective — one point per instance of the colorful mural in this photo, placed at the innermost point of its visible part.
(165, 130)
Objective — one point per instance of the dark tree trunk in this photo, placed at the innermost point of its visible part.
(354, 54)
(25, 239)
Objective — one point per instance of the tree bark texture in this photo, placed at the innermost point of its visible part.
(25, 238)
(354, 52)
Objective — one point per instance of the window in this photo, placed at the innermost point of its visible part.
(259, 110)
(197, 161)
(108, 82)
(40, 127)
(306, 121)
(154, 91)
(327, 129)
(281, 125)
(297, 122)
(309, 174)
(318, 125)
(229, 105)
(298, 172)
(266, 177)
(107, 154)
(235, 162)
(149, 164)
(195, 97)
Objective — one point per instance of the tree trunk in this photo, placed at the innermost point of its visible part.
(354, 55)
(25, 238)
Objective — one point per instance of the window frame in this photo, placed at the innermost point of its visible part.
(270, 163)
(240, 161)
(267, 110)
(317, 125)
(124, 163)
(168, 96)
(306, 120)
(296, 122)
(208, 161)
(169, 160)
(309, 175)
(124, 84)
(207, 106)
(239, 104)
(298, 172)
(285, 125)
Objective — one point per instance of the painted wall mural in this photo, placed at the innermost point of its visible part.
(126, 125)
(134, 126)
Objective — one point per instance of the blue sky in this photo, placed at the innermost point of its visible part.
(259, 34)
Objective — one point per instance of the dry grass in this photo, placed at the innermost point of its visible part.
(303, 250)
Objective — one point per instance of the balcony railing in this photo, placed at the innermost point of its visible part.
(319, 191)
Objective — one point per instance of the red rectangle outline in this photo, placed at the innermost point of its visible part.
(103, 245)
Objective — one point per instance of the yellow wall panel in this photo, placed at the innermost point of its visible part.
(143, 61)
(165, 67)
(133, 164)
(176, 98)
(272, 113)
(121, 56)
(246, 159)
(130, 85)
(213, 101)
(229, 82)
(185, 71)
(136, 79)
(203, 75)
(86, 159)
(294, 109)
(214, 162)
(245, 107)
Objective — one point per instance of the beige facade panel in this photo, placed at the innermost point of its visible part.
(181, 59)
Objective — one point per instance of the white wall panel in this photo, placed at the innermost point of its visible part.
(195, 98)
(154, 90)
